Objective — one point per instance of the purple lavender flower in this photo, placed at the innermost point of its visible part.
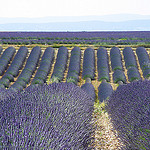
(55, 116)
(129, 109)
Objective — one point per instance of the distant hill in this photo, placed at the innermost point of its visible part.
(105, 18)
(94, 25)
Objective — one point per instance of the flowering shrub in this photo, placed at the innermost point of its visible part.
(5, 58)
(61, 62)
(129, 109)
(18, 61)
(89, 64)
(116, 60)
(102, 64)
(143, 58)
(119, 75)
(129, 57)
(28, 70)
(133, 74)
(74, 65)
(45, 66)
(55, 116)
(89, 89)
(104, 91)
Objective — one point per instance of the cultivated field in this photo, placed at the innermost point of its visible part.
(105, 135)
(81, 81)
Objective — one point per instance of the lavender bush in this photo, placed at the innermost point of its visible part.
(143, 58)
(102, 64)
(129, 57)
(104, 91)
(129, 109)
(18, 61)
(116, 60)
(119, 75)
(45, 66)
(133, 74)
(61, 62)
(74, 65)
(5, 58)
(89, 89)
(146, 73)
(28, 70)
(88, 64)
(55, 116)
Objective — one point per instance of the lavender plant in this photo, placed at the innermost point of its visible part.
(129, 109)
(133, 74)
(18, 61)
(102, 64)
(129, 57)
(74, 65)
(143, 57)
(45, 66)
(60, 64)
(119, 75)
(116, 60)
(5, 58)
(5, 82)
(89, 89)
(146, 73)
(89, 64)
(55, 116)
(104, 91)
(29, 68)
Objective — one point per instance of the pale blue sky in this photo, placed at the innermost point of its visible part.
(43, 8)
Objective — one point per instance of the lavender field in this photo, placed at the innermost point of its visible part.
(96, 38)
(78, 76)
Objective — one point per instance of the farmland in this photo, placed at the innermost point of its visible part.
(94, 38)
(122, 63)
(83, 48)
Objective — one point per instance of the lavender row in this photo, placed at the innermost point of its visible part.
(102, 64)
(133, 74)
(74, 65)
(104, 91)
(5, 58)
(131, 64)
(45, 66)
(28, 70)
(129, 57)
(18, 61)
(129, 109)
(60, 65)
(14, 67)
(116, 64)
(116, 60)
(89, 88)
(4, 61)
(75, 41)
(88, 64)
(119, 75)
(144, 61)
(55, 116)
(143, 57)
(103, 34)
